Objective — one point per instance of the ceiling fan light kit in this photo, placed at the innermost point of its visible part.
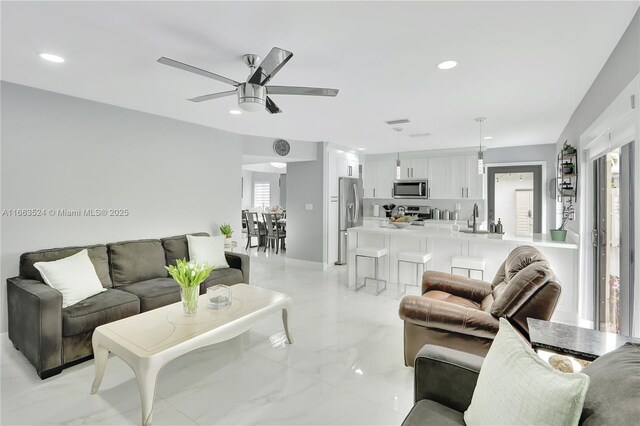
(253, 94)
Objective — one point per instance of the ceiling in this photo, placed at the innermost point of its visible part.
(523, 65)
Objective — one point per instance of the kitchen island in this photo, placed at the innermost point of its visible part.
(443, 244)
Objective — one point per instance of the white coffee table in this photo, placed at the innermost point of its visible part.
(148, 341)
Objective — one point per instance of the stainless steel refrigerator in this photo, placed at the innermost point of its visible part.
(350, 193)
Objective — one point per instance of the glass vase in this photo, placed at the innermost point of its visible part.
(189, 297)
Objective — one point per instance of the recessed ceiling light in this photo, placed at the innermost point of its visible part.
(278, 165)
(447, 65)
(360, 149)
(339, 151)
(235, 111)
(51, 57)
(488, 138)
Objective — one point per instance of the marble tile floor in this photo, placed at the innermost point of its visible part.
(345, 367)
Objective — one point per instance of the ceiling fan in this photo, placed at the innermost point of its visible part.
(253, 94)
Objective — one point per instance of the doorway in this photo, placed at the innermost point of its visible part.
(612, 238)
(515, 198)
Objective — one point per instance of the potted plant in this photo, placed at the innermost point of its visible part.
(560, 234)
(189, 275)
(225, 229)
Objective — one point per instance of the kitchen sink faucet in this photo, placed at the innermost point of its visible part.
(474, 226)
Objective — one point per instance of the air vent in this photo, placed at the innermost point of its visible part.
(420, 135)
(400, 121)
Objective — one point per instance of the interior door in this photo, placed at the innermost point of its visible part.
(495, 172)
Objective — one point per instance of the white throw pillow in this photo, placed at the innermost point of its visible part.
(516, 387)
(74, 276)
(208, 249)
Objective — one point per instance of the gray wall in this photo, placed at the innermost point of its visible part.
(530, 153)
(61, 152)
(283, 190)
(305, 228)
(621, 67)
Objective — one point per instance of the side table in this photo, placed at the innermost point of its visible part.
(578, 342)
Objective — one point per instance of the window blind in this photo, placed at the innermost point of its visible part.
(261, 194)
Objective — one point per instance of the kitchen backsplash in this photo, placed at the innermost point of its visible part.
(466, 206)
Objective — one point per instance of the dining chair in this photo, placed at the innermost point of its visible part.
(274, 233)
(254, 228)
(244, 221)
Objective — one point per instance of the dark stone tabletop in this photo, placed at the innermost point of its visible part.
(580, 342)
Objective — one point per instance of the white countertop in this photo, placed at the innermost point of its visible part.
(541, 240)
(428, 221)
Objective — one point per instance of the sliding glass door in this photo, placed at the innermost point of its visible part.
(613, 235)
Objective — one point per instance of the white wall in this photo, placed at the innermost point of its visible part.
(621, 68)
(61, 152)
(247, 190)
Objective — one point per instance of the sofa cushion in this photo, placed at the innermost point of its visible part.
(226, 276)
(515, 386)
(451, 298)
(134, 261)
(176, 247)
(74, 277)
(613, 397)
(427, 412)
(108, 306)
(155, 293)
(97, 254)
(520, 258)
(510, 297)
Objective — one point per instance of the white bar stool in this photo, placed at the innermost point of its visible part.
(375, 254)
(416, 258)
(468, 263)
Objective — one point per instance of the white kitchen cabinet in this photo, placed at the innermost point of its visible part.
(332, 246)
(347, 167)
(414, 168)
(369, 178)
(352, 168)
(385, 175)
(458, 177)
(475, 187)
(333, 175)
(438, 175)
(378, 178)
(464, 180)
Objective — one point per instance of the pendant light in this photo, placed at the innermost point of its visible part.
(398, 168)
(480, 120)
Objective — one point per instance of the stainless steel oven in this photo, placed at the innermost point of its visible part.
(411, 188)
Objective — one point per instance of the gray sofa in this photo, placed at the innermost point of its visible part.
(446, 378)
(134, 274)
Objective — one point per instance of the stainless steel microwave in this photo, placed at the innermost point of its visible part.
(411, 188)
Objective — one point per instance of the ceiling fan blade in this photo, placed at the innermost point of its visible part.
(195, 70)
(272, 107)
(213, 96)
(270, 66)
(306, 91)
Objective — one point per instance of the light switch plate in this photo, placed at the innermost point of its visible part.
(308, 206)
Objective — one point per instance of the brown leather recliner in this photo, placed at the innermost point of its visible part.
(462, 313)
